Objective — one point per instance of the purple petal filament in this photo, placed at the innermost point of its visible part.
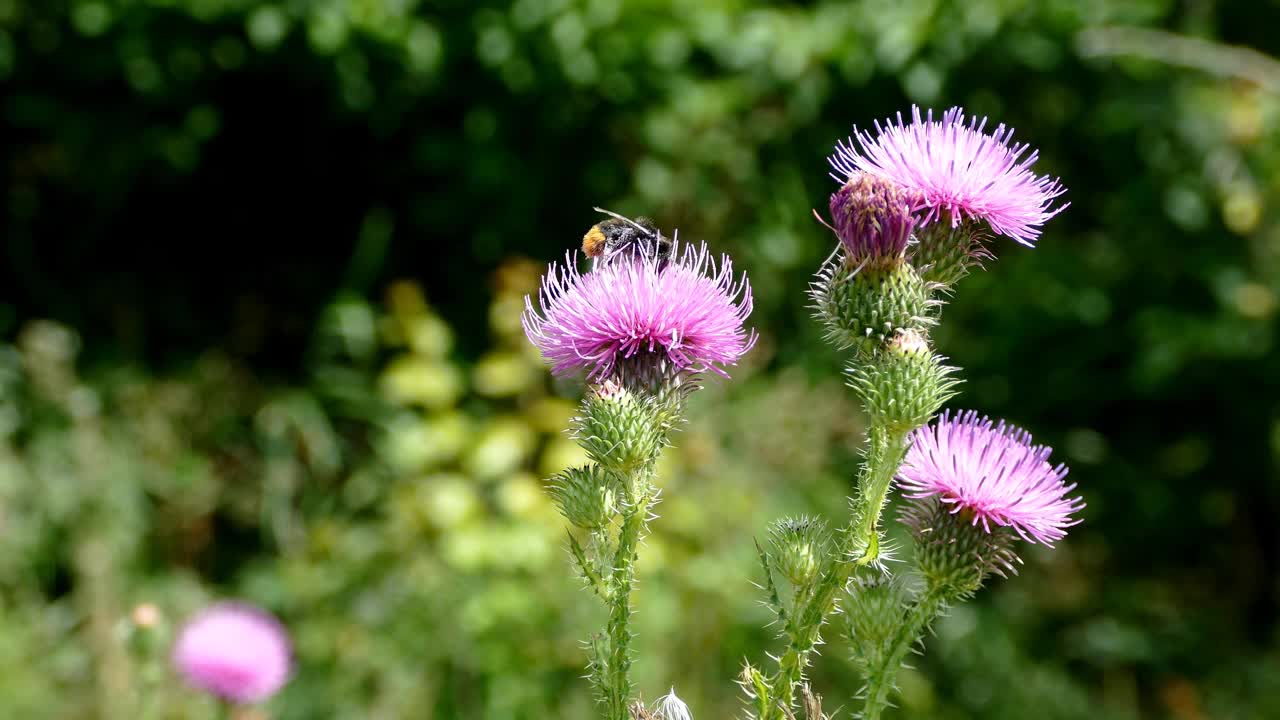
(957, 168)
(992, 472)
(688, 309)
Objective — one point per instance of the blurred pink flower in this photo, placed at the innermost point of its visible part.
(234, 651)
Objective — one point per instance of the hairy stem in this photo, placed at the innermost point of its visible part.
(622, 580)
(881, 679)
(861, 546)
(862, 541)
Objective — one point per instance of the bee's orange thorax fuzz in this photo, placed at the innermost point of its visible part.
(593, 242)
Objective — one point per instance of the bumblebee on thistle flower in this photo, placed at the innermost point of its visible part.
(621, 236)
(676, 305)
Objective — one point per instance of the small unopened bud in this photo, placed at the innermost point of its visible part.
(620, 429)
(903, 386)
(874, 609)
(585, 496)
(873, 217)
(801, 548)
(954, 554)
(863, 307)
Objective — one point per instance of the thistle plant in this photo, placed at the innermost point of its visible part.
(916, 209)
(643, 327)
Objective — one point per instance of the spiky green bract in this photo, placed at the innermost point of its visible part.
(664, 384)
(875, 607)
(801, 548)
(943, 254)
(863, 305)
(955, 555)
(621, 430)
(903, 385)
(586, 496)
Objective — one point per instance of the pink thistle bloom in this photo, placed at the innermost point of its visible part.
(234, 651)
(959, 169)
(685, 308)
(992, 472)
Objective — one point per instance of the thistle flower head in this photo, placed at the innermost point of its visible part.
(873, 216)
(957, 168)
(991, 473)
(234, 651)
(686, 309)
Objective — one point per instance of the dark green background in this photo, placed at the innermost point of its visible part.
(212, 386)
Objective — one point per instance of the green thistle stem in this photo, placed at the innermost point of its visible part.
(621, 581)
(881, 680)
(861, 547)
(883, 460)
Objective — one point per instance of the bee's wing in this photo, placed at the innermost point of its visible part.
(624, 219)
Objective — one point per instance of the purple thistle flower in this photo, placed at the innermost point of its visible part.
(992, 472)
(234, 651)
(873, 217)
(685, 308)
(959, 169)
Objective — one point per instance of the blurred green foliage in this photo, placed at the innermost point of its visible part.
(213, 386)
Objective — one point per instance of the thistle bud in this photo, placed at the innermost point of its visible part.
(954, 554)
(873, 217)
(905, 384)
(944, 254)
(864, 306)
(585, 496)
(620, 429)
(801, 548)
(874, 608)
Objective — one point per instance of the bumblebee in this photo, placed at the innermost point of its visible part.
(623, 237)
